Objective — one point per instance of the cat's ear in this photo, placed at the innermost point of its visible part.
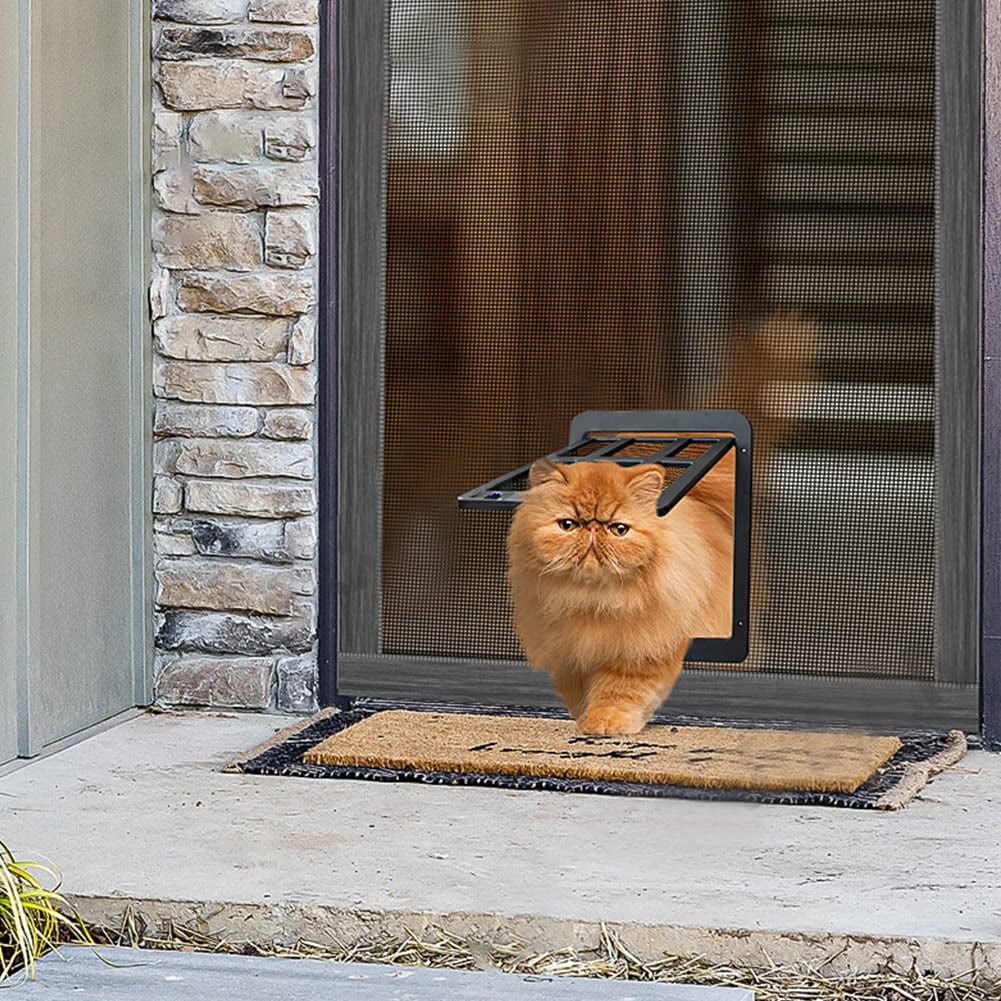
(545, 471)
(647, 483)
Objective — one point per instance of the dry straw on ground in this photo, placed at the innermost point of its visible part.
(608, 959)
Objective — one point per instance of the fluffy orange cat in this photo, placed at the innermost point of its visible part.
(607, 594)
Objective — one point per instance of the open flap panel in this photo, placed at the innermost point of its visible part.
(686, 460)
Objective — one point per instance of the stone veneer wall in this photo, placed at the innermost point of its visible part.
(233, 296)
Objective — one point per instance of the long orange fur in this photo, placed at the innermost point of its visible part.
(611, 617)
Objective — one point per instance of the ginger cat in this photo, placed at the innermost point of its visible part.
(607, 594)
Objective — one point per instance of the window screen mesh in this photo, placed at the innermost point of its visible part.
(633, 204)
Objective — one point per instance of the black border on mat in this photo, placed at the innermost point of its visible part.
(285, 758)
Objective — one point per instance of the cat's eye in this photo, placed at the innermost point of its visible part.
(567, 524)
(617, 528)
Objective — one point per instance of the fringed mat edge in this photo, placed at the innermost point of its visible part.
(917, 774)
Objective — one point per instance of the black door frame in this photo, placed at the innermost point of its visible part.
(327, 395)
(339, 277)
(990, 421)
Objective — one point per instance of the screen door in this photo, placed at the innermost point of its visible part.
(548, 207)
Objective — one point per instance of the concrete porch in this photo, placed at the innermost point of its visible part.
(142, 815)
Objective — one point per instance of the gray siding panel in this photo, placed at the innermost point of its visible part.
(9, 65)
(74, 123)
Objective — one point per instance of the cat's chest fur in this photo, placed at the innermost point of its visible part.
(569, 623)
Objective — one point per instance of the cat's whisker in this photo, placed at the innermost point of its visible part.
(556, 564)
(553, 564)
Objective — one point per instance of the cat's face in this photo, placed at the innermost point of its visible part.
(590, 519)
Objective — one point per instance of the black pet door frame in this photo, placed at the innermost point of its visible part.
(350, 432)
(631, 437)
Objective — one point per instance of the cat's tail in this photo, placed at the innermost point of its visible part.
(770, 375)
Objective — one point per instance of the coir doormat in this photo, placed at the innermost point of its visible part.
(528, 750)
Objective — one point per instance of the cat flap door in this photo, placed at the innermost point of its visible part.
(687, 443)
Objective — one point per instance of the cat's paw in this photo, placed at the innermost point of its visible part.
(609, 720)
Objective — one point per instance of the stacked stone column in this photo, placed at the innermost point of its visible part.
(234, 304)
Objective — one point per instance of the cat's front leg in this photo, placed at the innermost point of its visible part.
(622, 698)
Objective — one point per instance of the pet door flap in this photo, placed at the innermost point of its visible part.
(686, 458)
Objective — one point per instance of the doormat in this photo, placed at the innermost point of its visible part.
(541, 751)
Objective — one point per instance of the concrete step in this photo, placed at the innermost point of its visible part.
(141, 821)
(141, 975)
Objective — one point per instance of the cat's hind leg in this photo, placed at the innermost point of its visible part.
(570, 687)
(621, 699)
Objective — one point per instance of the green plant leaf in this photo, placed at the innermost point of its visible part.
(34, 915)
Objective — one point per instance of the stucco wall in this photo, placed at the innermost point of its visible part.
(234, 303)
